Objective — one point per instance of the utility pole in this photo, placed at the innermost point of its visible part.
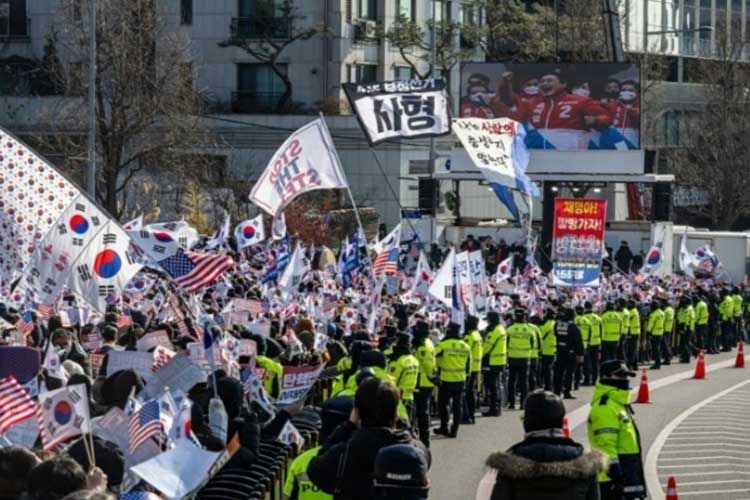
(91, 173)
(433, 185)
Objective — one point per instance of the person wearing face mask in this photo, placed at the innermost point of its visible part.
(67, 348)
(529, 90)
(582, 90)
(612, 430)
(626, 113)
(479, 101)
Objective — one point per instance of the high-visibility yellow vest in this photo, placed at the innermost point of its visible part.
(635, 322)
(655, 324)
(585, 327)
(496, 346)
(611, 326)
(596, 329)
(405, 373)
(474, 339)
(549, 339)
(425, 354)
(520, 341)
(453, 359)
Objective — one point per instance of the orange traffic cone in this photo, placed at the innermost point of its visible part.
(740, 363)
(671, 489)
(643, 393)
(700, 366)
(566, 429)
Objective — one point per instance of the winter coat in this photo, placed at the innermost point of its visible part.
(345, 464)
(544, 466)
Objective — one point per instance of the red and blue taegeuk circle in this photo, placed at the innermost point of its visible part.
(63, 412)
(107, 263)
(653, 257)
(248, 232)
(79, 224)
(163, 237)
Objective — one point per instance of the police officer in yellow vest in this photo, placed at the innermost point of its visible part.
(634, 335)
(404, 368)
(701, 322)
(655, 329)
(495, 358)
(685, 324)
(520, 342)
(454, 363)
(611, 329)
(668, 331)
(591, 358)
(298, 486)
(549, 347)
(424, 351)
(474, 339)
(536, 350)
(737, 314)
(726, 313)
(612, 430)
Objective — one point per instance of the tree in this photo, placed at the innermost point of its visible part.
(147, 110)
(718, 152)
(414, 45)
(194, 209)
(276, 25)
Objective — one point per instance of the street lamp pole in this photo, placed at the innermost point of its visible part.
(91, 172)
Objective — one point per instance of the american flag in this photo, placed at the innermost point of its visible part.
(144, 424)
(386, 262)
(162, 356)
(192, 270)
(124, 321)
(15, 404)
(45, 311)
(25, 324)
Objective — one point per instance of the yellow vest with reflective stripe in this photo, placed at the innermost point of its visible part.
(474, 339)
(520, 341)
(453, 358)
(549, 339)
(496, 346)
(611, 326)
(596, 329)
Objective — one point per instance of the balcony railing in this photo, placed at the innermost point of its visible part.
(14, 30)
(245, 101)
(253, 28)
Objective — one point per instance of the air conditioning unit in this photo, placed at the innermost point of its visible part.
(364, 29)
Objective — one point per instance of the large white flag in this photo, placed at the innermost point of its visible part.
(480, 286)
(221, 234)
(463, 273)
(305, 162)
(64, 414)
(688, 262)
(104, 268)
(34, 195)
(250, 232)
(293, 273)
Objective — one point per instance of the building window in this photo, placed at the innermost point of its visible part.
(366, 73)
(13, 20)
(186, 12)
(259, 88)
(261, 19)
(442, 12)
(368, 9)
(403, 73)
(407, 9)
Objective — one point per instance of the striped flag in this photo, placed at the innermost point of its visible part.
(45, 311)
(192, 270)
(25, 324)
(16, 405)
(144, 424)
(386, 254)
(124, 321)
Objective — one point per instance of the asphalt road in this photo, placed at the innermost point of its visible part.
(691, 421)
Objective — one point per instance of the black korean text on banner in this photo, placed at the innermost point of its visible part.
(414, 108)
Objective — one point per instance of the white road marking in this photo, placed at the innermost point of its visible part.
(652, 477)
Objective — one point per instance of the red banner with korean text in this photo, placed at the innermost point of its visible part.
(578, 241)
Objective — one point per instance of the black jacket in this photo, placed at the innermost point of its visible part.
(543, 468)
(345, 463)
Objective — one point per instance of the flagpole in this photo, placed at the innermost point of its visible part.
(348, 188)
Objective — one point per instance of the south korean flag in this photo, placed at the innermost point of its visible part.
(250, 232)
(104, 268)
(390, 110)
(64, 414)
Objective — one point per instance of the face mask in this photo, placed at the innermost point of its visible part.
(480, 97)
(627, 95)
(582, 92)
(531, 89)
(63, 350)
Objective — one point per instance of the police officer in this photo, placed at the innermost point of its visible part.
(612, 430)
(536, 349)
(474, 339)
(404, 368)
(655, 328)
(591, 359)
(453, 357)
(622, 305)
(495, 358)
(685, 319)
(668, 331)
(520, 342)
(701, 322)
(737, 315)
(549, 347)
(583, 324)
(634, 335)
(424, 351)
(726, 312)
(569, 352)
(611, 329)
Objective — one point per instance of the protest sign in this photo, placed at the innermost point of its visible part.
(296, 383)
(413, 108)
(578, 232)
(140, 362)
(153, 339)
(24, 434)
(179, 374)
